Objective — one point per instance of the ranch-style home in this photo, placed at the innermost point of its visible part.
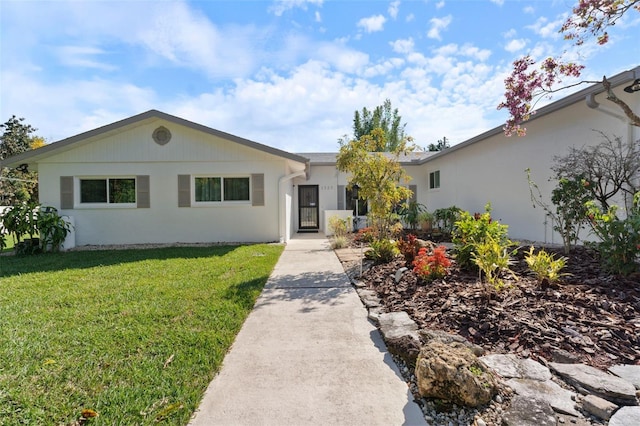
(157, 178)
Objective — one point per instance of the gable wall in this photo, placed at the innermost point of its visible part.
(493, 170)
(188, 152)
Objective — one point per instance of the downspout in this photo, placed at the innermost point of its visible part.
(282, 202)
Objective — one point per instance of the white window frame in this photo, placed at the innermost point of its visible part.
(222, 202)
(434, 183)
(108, 205)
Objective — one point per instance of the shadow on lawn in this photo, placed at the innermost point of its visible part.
(47, 262)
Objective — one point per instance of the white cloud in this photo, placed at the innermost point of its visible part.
(510, 34)
(372, 23)
(281, 6)
(529, 10)
(498, 2)
(547, 29)
(394, 6)
(318, 16)
(440, 4)
(437, 25)
(402, 45)
(515, 45)
(410, 17)
(82, 57)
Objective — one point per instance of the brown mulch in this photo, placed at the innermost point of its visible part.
(589, 317)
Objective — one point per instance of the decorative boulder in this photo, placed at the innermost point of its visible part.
(450, 371)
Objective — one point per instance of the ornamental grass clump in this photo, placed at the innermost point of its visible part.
(431, 266)
(544, 266)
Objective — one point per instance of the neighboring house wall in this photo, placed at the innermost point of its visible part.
(492, 169)
(132, 152)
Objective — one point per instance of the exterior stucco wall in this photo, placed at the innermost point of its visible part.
(132, 153)
(492, 170)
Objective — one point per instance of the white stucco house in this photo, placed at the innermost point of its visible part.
(157, 178)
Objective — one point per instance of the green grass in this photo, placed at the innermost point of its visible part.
(135, 335)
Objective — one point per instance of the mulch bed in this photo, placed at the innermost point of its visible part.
(589, 317)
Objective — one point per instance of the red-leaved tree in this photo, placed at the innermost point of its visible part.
(529, 81)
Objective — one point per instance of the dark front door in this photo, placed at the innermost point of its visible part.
(308, 208)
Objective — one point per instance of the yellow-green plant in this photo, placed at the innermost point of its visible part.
(493, 259)
(338, 225)
(544, 265)
(379, 176)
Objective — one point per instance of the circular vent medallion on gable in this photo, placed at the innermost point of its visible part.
(161, 135)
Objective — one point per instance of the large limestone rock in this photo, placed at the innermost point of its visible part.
(453, 373)
(400, 333)
(600, 383)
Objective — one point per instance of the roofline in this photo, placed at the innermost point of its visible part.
(415, 162)
(55, 146)
(594, 89)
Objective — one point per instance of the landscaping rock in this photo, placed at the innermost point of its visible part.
(630, 373)
(626, 416)
(406, 348)
(525, 411)
(563, 357)
(443, 336)
(399, 273)
(599, 407)
(374, 314)
(395, 325)
(561, 400)
(600, 383)
(513, 367)
(453, 373)
(369, 298)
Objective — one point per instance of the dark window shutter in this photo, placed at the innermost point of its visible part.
(414, 190)
(184, 190)
(257, 189)
(66, 192)
(142, 192)
(340, 197)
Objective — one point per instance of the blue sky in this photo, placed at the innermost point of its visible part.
(286, 73)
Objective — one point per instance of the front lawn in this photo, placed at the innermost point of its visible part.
(132, 335)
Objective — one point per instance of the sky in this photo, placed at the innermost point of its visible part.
(286, 73)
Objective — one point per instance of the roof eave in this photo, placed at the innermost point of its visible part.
(35, 155)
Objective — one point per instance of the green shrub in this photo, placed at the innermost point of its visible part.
(382, 251)
(52, 228)
(410, 213)
(619, 244)
(338, 225)
(446, 218)
(493, 259)
(544, 265)
(471, 231)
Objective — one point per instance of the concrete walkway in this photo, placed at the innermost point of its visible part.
(307, 355)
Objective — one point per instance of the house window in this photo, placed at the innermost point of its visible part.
(434, 179)
(217, 189)
(108, 191)
(351, 204)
